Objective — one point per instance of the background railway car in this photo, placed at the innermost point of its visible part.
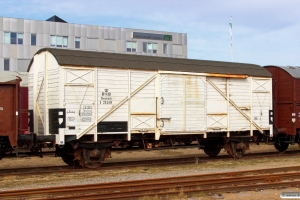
(23, 102)
(9, 108)
(91, 101)
(14, 114)
(23, 96)
(286, 102)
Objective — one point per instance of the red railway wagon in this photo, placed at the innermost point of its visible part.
(14, 115)
(286, 105)
(24, 103)
(23, 97)
(9, 107)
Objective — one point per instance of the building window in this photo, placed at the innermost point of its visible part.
(165, 48)
(20, 38)
(149, 47)
(6, 64)
(33, 39)
(65, 41)
(6, 38)
(58, 41)
(52, 41)
(165, 51)
(13, 38)
(77, 42)
(131, 46)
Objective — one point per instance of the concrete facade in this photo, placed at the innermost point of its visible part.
(20, 39)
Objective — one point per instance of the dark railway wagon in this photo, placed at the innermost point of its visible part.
(286, 103)
(14, 115)
(9, 108)
(23, 103)
(24, 110)
(23, 97)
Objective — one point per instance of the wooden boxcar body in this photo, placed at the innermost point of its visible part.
(103, 99)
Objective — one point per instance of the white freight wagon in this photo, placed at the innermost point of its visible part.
(94, 100)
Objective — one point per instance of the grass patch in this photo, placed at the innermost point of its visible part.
(181, 194)
(149, 198)
(170, 152)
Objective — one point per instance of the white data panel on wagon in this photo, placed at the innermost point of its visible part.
(146, 106)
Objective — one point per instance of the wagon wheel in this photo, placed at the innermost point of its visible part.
(90, 165)
(228, 148)
(67, 155)
(89, 162)
(69, 160)
(230, 154)
(212, 151)
(281, 146)
(3, 149)
(238, 153)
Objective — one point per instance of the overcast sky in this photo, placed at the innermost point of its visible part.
(264, 32)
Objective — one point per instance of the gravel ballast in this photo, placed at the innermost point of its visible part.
(137, 173)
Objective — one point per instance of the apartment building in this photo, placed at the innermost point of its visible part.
(20, 39)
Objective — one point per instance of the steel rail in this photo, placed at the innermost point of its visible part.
(136, 163)
(202, 182)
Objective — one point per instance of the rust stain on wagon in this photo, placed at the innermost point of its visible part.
(191, 87)
(143, 113)
(217, 114)
(227, 75)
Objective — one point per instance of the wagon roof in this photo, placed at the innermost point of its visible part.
(129, 61)
(6, 76)
(293, 71)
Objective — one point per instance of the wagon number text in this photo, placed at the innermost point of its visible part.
(106, 97)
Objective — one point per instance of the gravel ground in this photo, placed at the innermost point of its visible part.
(61, 179)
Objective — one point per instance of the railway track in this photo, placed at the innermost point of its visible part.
(137, 163)
(51, 151)
(217, 182)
